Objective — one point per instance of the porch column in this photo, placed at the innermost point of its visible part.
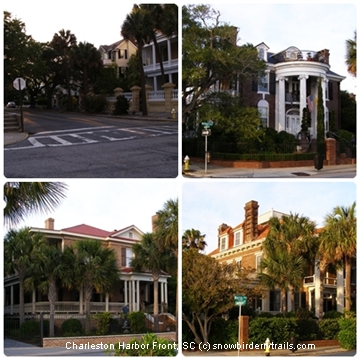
(317, 292)
(265, 302)
(166, 293)
(126, 300)
(138, 295)
(81, 301)
(147, 292)
(340, 290)
(302, 79)
(288, 305)
(11, 299)
(130, 296)
(169, 50)
(33, 301)
(281, 104)
(106, 302)
(133, 295)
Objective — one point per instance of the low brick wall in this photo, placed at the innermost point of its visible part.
(94, 340)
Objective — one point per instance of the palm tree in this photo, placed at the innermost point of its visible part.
(193, 239)
(149, 257)
(47, 269)
(63, 42)
(87, 59)
(351, 55)
(23, 198)
(94, 267)
(338, 243)
(138, 28)
(19, 247)
(289, 248)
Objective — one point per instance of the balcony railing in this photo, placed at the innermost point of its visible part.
(328, 281)
(156, 67)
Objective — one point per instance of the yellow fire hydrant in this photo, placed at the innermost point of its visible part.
(267, 347)
(173, 113)
(186, 163)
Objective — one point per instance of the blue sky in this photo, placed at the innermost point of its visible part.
(109, 204)
(206, 205)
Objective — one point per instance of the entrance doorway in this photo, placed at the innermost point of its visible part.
(293, 124)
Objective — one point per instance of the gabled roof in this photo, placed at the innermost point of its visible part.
(119, 233)
(84, 229)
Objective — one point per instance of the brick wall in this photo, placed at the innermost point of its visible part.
(109, 339)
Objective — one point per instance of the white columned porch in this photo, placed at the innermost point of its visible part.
(281, 104)
(133, 304)
(302, 79)
(340, 290)
(33, 300)
(126, 300)
(138, 295)
(317, 292)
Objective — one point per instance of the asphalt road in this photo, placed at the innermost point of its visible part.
(64, 145)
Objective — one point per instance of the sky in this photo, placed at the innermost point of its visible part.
(307, 26)
(108, 204)
(206, 205)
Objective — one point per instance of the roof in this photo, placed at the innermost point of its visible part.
(84, 229)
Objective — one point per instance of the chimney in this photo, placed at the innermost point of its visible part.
(325, 54)
(222, 228)
(49, 224)
(251, 220)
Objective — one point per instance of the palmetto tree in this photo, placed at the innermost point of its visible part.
(19, 248)
(149, 257)
(47, 269)
(23, 198)
(138, 27)
(94, 267)
(338, 243)
(193, 239)
(351, 55)
(87, 59)
(290, 247)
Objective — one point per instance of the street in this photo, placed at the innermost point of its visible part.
(62, 145)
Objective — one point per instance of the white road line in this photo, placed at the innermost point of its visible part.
(86, 140)
(60, 140)
(35, 143)
(72, 130)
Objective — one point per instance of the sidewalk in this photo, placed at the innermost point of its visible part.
(197, 170)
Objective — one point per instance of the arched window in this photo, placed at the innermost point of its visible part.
(263, 107)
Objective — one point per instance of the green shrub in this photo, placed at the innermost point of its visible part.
(149, 345)
(94, 103)
(224, 332)
(329, 328)
(30, 328)
(347, 333)
(71, 327)
(333, 314)
(265, 315)
(308, 329)
(121, 106)
(137, 322)
(103, 323)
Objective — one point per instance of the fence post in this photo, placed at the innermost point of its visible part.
(168, 89)
(135, 104)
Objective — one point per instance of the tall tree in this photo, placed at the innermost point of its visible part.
(94, 267)
(149, 257)
(24, 198)
(138, 28)
(63, 42)
(351, 55)
(85, 58)
(19, 246)
(193, 239)
(211, 55)
(338, 243)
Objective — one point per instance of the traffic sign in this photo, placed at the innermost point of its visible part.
(206, 132)
(240, 300)
(19, 83)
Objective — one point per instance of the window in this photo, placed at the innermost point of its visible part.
(130, 235)
(129, 256)
(274, 300)
(258, 263)
(263, 84)
(263, 107)
(262, 54)
(122, 53)
(223, 243)
(238, 237)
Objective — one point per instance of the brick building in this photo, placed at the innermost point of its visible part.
(242, 243)
(134, 291)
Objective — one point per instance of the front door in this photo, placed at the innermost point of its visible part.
(293, 124)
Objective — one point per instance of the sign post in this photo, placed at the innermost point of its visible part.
(20, 84)
(206, 132)
(239, 300)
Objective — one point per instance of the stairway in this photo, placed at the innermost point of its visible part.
(11, 122)
(166, 323)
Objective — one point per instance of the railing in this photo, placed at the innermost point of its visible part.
(328, 281)
(166, 65)
(309, 280)
(156, 95)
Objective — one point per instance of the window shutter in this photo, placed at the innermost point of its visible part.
(272, 83)
(331, 90)
(123, 256)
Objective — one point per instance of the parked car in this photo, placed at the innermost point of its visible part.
(10, 104)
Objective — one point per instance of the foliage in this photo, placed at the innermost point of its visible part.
(333, 314)
(71, 327)
(329, 328)
(210, 55)
(30, 328)
(279, 330)
(193, 239)
(103, 323)
(24, 198)
(308, 329)
(348, 111)
(347, 333)
(224, 332)
(304, 120)
(203, 303)
(94, 103)
(137, 322)
(121, 106)
(351, 55)
(149, 345)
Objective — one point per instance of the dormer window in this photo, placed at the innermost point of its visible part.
(223, 243)
(130, 235)
(238, 237)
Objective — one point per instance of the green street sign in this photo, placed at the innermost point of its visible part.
(240, 300)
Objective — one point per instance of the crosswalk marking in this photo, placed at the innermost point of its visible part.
(92, 135)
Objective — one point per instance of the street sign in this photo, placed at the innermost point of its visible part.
(240, 300)
(207, 124)
(206, 132)
(19, 83)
